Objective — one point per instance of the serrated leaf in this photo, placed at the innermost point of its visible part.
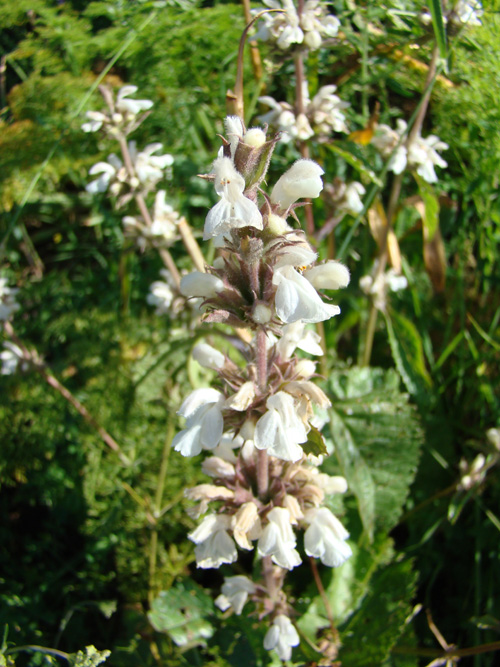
(408, 352)
(377, 439)
(182, 612)
(373, 630)
(315, 443)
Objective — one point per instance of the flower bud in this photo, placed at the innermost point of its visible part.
(261, 313)
(207, 356)
(243, 397)
(247, 430)
(276, 225)
(303, 179)
(305, 368)
(255, 137)
(201, 284)
(331, 275)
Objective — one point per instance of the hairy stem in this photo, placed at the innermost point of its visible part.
(262, 458)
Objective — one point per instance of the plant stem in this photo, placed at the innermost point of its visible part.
(324, 597)
(254, 51)
(262, 458)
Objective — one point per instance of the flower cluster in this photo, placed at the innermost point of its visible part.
(322, 116)
(162, 231)
(421, 155)
(12, 359)
(122, 114)
(289, 27)
(258, 425)
(378, 286)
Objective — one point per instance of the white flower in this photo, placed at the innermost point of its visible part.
(246, 525)
(234, 593)
(423, 156)
(280, 430)
(303, 179)
(234, 132)
(109, 172)
(133, 107)
(165, 218)
(330, 275)
(294, 336)
(149, 167)
(243, 398)
(234, 209)
(467, 12)
(326, 538)
(214, 545)
(385, 141)
(204, 426)
(325, 111)
(278, 539)
(201, 284)
(160, 296)
(296, 298)
(207, 356)
(281, 636)
(11, 357)
(351, 200)
(96, 119)
(8, 303)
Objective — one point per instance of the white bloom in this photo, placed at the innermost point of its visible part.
(302, 180)
(296, 298)
(133, 107)
(385, 141)
(96, 119)
(234, 209)
(214, 545)
(281, 636)
(280, 430)
(294, 336)
(161, 296)
(109, 172)
(468, 12)
(234, 132)
(326, 538)
(234, 593)
(11, 357)
(165, 218)
(8, 303)
(148, 166)
(246, 525)
(351, 200)
(215, 466)
(278, 539)
(204, 426)
(201, 284)
(208, 356)
(330, 275)
(325, 111)
(243, 398)
(423, 156)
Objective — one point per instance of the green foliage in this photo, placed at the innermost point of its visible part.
(377, 438)
(90, 658)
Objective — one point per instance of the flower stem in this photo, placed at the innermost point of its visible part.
(262, 458)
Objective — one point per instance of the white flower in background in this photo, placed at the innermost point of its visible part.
(204, 426)
(278, 539)
(302, 180)
(281, 637)
(325, 111)
(378, 288)
(8, 303)
(385, 141)
(125, 105)
(234, 593)
(161, 294)
(326, 538)
(165, 219)
(467, 12)
(351, 199)
(111, 175)
(214, 545)
(288, 28)
(148, 166)
(420, 155)
(280, 430)
(234, 209)
(207, 356)
(12, 358)
(423, 156)
(95, 122)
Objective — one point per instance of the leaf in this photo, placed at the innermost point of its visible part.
(377, 440)
(356, 163)
(373, 630)
(430, 209)
(438, 25)
(377, 221)
(407, 350)
(182, 613)
(315, 443)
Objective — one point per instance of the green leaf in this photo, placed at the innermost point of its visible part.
(377, 439)
(182, 612)
(430, 218)
(371, 633)
(408, 352)
(438, 25)
(91, 657)
(315, 443)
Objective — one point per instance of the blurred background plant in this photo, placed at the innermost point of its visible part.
(91, 542)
